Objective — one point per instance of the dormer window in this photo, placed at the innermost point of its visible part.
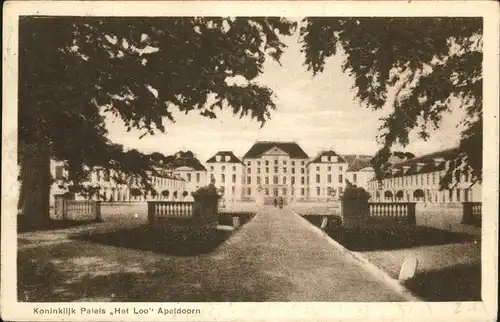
(334, 159)
(218, 158)
(420, 166)
(324, 158)
(227, 158)
(438, 161)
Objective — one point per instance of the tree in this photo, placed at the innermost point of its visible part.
(428, 62)
(73, 70)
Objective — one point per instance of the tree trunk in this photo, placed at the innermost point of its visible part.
(35, 183)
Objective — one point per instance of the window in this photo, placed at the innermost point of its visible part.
(275, 169)
(302, 162)
(249, 180)
(60, 173)
(275, 162)
(434, 178)
(317, 178)
(234, 168)
(354, 178)
(233, 189)
(341, 168)
(284, 170)
(340, 178)
(249, 170)
(212, 168)
(258, 180)
(258, 170)
(223, 168)
(223, 178)
(197, 177)
(458, 194)
(318, 191)
(293, 170)
(450, 195)
(284, 191)
(284, 162)
(275, 180)
(258, 163)
(266, 180)
(249, 191)
(457, 175)
(329, 168)
(293, 162)
(466, 175)
(234, 178)
(249, 163)
(284, 180)
(302, 191)
(329, 178)
(97, 174)
(293, 180)
(266, 191)
(302, 170)
(267, 162)
(317, 168)
(302, 180)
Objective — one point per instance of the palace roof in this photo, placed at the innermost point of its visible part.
(358, 162)
(427, 163)
(293, 150)
(223, 155)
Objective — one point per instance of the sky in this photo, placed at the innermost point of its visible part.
(319, 113)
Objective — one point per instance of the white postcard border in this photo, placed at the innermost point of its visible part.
(460, 311)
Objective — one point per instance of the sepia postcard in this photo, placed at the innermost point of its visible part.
(250, 160)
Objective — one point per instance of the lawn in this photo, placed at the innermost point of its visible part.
(457, 283)
(131, 262)
(449, 263)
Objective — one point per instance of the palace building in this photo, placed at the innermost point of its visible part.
(275, 169)
(360, 171)
(228, 172)
(117, 187)
(271, 169)
(418, 180)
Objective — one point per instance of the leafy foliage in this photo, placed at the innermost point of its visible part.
(427, 62)
(119, 63)
(73, 70)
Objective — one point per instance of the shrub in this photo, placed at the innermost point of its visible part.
(355, 193)
(206, 190)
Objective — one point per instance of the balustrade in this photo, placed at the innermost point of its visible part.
(170, 208)
(81, 209)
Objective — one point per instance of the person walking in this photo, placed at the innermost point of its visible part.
(275, 202)
(281, 202)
